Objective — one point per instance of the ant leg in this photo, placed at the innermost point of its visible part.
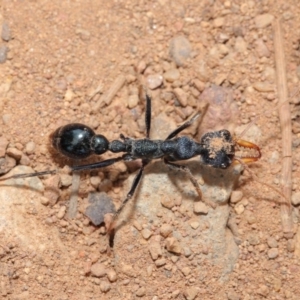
(98, 165)
(148, 115)
(188, 123)
(192, 179)
(254, 176)
(142, 92)
(29, 175)
(101, 164)
(136, 181)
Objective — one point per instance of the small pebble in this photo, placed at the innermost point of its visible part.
(180, 50)
(132, 101)
(160, 262)
(187, 251)
(3, 146)
(64, 223)
(44, 201)
(155, 250)
(3, 54)
(273, 253)
(296, 198)
(172, 75)
(186, 271)
(69, 95)
(127, 270)
(25, 160)
(173, 245)
(272, 243)
(30, 147)
(105, 185)
(146, 233)
(200, 208)
(263, 20)
(253, 239)
(140, 292)
(263, 87)
(95, 181)
(137, 225)
(232, 295)
(15, 153)
(167, 201)
(112, 275)
(141, 67)
(199, 85)
(218, 22)
(194, 225)
(250, 217)
(5, 33)
(52, 189)
(6, 118)
(277, 283)
(240, 45)
(65, 180)
(181, 96)
(236, 196)
(98, 270)
(263, 290)
(291, 245)
(61, 212)
(261, 48)
(154, 81)
(191, 293)
(104, 286)
(239, 208)
(166, 230)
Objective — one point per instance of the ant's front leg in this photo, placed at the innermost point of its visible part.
(192, 179)
(188, 123)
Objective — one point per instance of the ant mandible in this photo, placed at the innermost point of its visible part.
(216, 149)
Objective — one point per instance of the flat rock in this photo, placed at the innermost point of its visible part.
(146, 207)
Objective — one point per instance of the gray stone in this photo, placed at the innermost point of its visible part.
(100, 204)
(180, 50)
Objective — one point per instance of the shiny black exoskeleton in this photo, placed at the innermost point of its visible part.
(78, 141)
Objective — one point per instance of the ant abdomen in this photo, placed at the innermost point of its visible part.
(78, 141)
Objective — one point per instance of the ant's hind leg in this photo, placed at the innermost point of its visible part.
(148, 115)
(143, 94)
(136, 181)
(188, 123)
(193, 180)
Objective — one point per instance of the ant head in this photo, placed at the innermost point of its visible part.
(217, 149)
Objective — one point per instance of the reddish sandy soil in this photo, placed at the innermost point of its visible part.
(63, 56)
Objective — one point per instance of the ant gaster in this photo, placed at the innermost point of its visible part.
(216, 149)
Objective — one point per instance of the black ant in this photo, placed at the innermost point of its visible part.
(216, 149)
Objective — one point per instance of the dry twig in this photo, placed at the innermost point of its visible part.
(107, 97)
(285, 122)
(72, 210)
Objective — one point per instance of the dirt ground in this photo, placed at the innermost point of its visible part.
(59, 60)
